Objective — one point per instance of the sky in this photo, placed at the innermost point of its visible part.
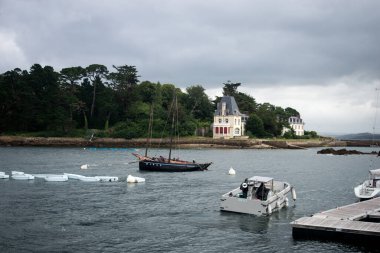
(321, 58)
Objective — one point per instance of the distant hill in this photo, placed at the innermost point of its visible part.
(359, 136)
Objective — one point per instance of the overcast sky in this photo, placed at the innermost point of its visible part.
(319, 57)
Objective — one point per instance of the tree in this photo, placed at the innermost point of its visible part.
(230, 89)
(124, 82)
(291, 112)
(69, 78)
(95, 72)
(198, 103)
(255, 125)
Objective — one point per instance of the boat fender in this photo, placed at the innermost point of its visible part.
(294, 195)
(269, 209)
(278, 204)
(244, 185)
(286, 202)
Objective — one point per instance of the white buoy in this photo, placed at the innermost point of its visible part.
(294, 195)
(84, 167)
(231, 171)
(132, 179)
(286, 202)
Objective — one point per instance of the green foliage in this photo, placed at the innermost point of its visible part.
(255, 126)
(69, 102)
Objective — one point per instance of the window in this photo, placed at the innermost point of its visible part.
(216, 130)
(237, 131)
(220, 120)
(226, 120)
(225, 130)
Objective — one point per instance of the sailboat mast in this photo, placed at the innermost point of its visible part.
(172, 130)
(150, 129)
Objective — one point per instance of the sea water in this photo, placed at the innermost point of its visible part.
(170, 212)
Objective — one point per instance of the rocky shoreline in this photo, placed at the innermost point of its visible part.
(199, 142)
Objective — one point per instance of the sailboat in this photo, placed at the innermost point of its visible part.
(169, 164)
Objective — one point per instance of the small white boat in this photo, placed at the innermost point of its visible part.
(89, 179)
(56, 178)
(257, 195)
(132, 179)
(22, 176)
(107, 179)
(73, 176)
(369, 188)
(84, 167)
(3, 175)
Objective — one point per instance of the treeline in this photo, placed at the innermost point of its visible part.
(75, 99)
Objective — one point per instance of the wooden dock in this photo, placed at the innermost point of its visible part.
(356, 223)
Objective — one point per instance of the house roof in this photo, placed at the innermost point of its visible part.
(231, 107)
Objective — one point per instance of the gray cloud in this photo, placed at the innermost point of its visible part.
(258, 43)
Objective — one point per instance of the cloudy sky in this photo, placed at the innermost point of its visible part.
(319, 57)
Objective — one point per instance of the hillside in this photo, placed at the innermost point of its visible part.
(359, 136)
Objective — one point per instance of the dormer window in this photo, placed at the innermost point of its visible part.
(226, 120)
(220, 120)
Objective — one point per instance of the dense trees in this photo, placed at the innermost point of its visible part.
(116, 103)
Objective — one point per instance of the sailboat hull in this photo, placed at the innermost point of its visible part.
(172, 167)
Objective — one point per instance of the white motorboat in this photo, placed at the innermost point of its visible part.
(22, 176)
(369, 188)
(73, 176)
(257, 195)
(107, 178)
(56, 178)
(3, 175)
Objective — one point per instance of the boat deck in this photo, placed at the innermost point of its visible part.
(358, 222)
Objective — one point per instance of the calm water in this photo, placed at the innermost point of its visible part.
(171, 212)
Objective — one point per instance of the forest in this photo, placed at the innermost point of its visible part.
(78, 101)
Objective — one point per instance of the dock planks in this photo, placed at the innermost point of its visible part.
(353, 223)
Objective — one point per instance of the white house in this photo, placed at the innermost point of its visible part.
(297, 124)
(228, 121)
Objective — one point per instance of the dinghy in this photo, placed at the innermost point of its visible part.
(56, 178)
(42, 176)
(22, 176)
(257, 195)
(17, 172)
(3, 175)
(89, 179)
(73, 176)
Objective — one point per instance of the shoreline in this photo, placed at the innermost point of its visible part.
(197, 142)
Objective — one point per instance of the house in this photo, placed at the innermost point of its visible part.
(297, 124)
(229, 122)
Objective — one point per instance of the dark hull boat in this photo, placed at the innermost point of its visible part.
(164, 165)
(167, 164)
